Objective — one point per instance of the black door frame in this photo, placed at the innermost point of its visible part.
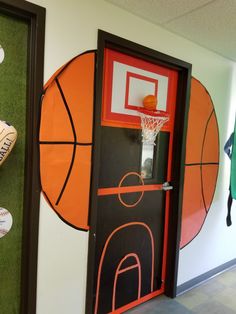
(34, 16)
(107, 40)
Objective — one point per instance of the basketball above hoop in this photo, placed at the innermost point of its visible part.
(152, 120)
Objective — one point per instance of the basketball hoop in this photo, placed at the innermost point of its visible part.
(151, 123)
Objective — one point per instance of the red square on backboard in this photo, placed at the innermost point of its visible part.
(133, 92)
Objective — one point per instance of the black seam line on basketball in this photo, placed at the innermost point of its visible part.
(65, 143)
(92, 51)
(202, 164)
(203, 219)
(75, 140)
(212, 113)
(68, 63)
(67, 109)
(203, 143)
(68, 175)
(66, 222)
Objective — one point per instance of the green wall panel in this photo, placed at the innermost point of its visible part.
(13, 81)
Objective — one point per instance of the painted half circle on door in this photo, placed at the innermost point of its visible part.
(201, 162)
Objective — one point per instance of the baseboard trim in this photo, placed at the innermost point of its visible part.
(204, 277)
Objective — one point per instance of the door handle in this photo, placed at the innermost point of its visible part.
(166, 186)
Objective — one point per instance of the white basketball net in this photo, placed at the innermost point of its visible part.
(151, 125)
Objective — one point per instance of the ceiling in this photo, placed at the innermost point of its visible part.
(209, 23)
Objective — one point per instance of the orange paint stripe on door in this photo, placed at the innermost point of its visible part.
(138, 301)
(129, 189)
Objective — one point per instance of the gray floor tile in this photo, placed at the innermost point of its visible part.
(212, 307)
(164, 307)
(211, 287)
(216, 296)
(192, 298)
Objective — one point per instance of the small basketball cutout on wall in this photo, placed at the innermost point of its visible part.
(5, 221)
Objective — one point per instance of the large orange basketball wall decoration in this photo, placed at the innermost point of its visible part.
(65, 139)
(201, 162)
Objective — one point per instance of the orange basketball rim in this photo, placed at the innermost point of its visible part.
(65, 139)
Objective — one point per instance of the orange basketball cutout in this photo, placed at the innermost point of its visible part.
(201, 162)
(8, 136)
(150, 102)
(65, 139)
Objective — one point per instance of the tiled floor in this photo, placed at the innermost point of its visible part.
(216, 296)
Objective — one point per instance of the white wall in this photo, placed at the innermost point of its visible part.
(71, 28)
(214, 245)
